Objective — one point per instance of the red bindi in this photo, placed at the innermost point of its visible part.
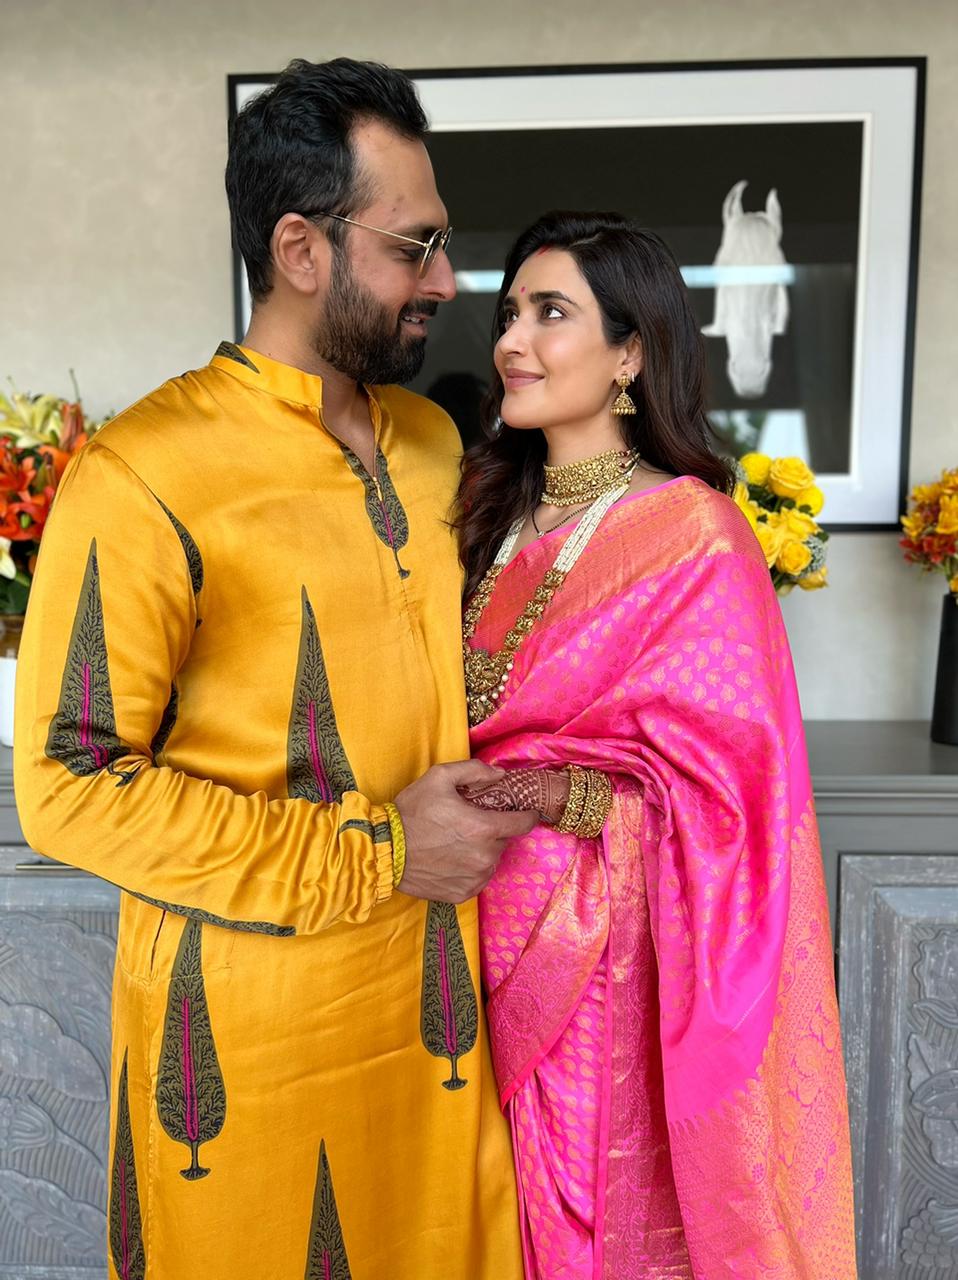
(523, 289)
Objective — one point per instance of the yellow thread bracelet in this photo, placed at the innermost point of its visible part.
(399, 842)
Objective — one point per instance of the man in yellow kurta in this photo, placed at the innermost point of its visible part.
(241, 667)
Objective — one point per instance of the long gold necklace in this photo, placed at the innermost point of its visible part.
(571, 484)
(487, 674)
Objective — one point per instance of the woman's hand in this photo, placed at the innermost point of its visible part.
(544, 790)
(451, 850)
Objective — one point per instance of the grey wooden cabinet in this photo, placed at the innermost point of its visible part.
(880, 787)
(899, 994)
(57, 936)
(887, 802)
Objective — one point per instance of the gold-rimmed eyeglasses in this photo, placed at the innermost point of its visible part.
(439, 240)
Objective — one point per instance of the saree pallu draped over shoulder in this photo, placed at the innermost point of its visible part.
(661, 1000)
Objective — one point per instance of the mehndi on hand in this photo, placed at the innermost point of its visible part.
(575, 801)
(544, 791)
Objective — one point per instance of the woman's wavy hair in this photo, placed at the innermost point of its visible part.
(640, 291)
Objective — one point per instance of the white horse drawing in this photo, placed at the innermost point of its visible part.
(747, 314)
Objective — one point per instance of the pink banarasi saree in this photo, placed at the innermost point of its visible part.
(661, 1001)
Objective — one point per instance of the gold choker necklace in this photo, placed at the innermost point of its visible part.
(574, 483)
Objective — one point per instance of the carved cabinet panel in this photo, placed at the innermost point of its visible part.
(899, 989)
(57, 936)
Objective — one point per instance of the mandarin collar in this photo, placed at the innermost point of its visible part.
(281, 380)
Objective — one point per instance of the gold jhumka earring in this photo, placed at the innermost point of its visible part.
(623, 405)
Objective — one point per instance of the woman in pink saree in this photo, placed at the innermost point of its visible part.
(657, 962)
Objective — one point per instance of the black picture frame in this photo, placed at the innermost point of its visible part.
(882, 98)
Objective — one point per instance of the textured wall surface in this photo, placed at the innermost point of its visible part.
(114, 241)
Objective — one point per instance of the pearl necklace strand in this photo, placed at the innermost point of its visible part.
(487, 674)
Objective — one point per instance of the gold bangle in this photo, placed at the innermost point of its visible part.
(598, 802)
(575, 818)
(574, 806)
(399, 841)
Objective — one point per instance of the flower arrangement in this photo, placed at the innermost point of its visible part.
(780, 500)
(931, 528)
(38, 437)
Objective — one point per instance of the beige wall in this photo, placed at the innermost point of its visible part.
(114, 254)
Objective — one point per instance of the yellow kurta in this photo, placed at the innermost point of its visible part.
(239, 645)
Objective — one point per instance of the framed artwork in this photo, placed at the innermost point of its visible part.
(790, 194)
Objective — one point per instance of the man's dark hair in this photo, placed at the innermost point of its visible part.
(290, 150)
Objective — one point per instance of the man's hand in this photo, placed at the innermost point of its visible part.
(452, 847)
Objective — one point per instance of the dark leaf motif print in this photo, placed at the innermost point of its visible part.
(83, 733)
(221, 922)
(194, 561)
(232, 352)
(379, 834)
(317, 768)
(126, 1226)
(386, 513)
(450, 1012)
(190, 1094)
(397, 526)
(124, 776)
(168, 720)
(327, 1250)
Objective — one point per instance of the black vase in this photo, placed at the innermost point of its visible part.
(944, 716)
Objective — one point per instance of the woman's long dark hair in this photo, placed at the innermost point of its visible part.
(640, 290)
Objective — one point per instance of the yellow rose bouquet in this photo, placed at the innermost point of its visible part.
(931, 528)
(780, 500)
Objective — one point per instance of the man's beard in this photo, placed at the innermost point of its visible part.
(361, 338)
